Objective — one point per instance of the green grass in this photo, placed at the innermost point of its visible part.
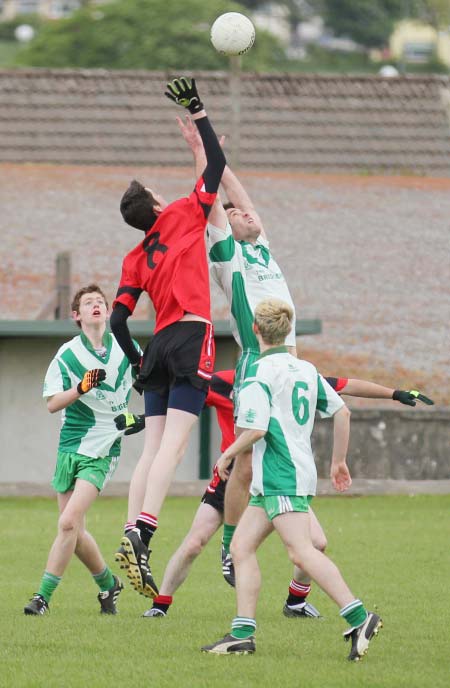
(393, 551)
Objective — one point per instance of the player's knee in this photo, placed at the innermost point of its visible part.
(299, 555)
(68, 523)
(320, 542)
(238, 550)
(81, 534)
(194, 545)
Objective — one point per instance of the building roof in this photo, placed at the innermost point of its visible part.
(287, 121)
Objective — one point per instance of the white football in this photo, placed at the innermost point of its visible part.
(232, 33)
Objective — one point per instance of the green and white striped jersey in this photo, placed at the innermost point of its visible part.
(247, 274)
(88, 426)
(281, 395)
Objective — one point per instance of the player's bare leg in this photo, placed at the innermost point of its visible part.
(235, 503)
(173, 445)
(69, 524)
(86, 548)
(72, 539)
(154, 429)
(300, 585)
(206, 522)
(135, 543)
(294, 530)
(252, 530)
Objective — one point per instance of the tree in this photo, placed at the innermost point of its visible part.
(143, 34)
(368, 22)
(434, 12)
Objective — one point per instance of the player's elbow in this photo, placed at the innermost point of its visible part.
(51, 405)
(344, 414)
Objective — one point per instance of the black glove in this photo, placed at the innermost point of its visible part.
(409, 398)
(91, 378)
(184, 92)
(130, 423)
(136, 368)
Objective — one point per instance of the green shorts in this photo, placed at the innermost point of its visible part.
(275, 505)
(71, 466)
(247, 358)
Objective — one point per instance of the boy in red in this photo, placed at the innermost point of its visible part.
(170, 264)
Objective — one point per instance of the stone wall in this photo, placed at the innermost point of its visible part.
(410, 444)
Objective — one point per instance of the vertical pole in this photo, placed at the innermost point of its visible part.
(63, 286)
(205, 443)
(235, 94)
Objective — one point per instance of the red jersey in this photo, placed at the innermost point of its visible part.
(171, 264)
(220, 396)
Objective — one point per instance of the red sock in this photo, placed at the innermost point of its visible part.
(298, 592)
(162, 602)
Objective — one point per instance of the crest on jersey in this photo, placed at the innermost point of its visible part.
(256, 255)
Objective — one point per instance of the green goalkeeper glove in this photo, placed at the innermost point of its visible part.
(410, 398)
(91, 378)
(184, 92)
(130, 423)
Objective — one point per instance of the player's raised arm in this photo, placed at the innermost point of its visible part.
(238, 196)
(372, 390)
(183, 92)
(191, 135)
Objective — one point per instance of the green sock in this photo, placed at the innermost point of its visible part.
(242, 627)
(354, 613)
(228, 532)
(104, 579)
(49, 583)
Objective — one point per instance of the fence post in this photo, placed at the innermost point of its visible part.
(63, 286)
(235, 94)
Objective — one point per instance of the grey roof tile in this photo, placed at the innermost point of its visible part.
(298, 121)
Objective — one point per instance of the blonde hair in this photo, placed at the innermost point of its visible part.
(274, 320)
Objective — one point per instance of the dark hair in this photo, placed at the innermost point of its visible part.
(227, 206)
(92, 288)
(136, 206)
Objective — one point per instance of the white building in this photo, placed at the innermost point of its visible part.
(53, 9)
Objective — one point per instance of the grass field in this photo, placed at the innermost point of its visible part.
(394, 552)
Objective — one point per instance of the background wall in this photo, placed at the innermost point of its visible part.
(397, 444)
(30, 434)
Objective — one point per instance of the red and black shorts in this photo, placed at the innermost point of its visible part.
(183, 351)
(215, 496)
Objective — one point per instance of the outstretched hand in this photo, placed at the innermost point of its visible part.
(183, 92)
(340, 476)
(410, 398)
